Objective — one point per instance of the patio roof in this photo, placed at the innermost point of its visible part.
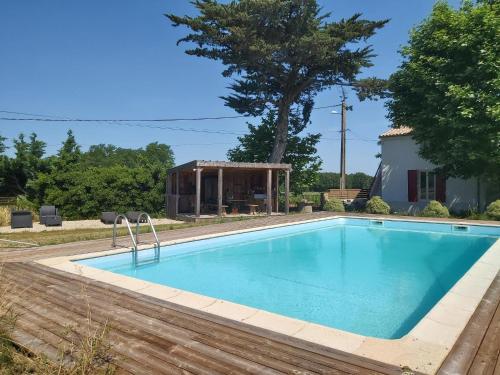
(230, 164)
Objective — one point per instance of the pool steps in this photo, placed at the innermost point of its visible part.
(135, 239)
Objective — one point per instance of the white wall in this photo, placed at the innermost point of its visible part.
(400, 154)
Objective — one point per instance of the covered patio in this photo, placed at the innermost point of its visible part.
(207, 189)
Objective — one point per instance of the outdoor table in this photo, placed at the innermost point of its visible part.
(252, 208)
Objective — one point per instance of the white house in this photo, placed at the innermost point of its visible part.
(407, 182)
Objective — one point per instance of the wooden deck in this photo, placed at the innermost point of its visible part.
(477, 349)
(150, 336)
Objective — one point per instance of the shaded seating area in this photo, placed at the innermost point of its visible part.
(49, 216)
(218, 188)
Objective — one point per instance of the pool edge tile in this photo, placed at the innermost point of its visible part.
(331, 337)
(275, 322)
(192, 300)
(230, 310)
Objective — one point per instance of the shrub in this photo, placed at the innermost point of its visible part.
(377, 206)
(493, 210)
(435, 209)
(334, 205)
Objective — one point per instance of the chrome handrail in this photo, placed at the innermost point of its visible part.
(148, 218)
(129, 231)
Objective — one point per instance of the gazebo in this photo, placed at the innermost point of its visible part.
(204, 189)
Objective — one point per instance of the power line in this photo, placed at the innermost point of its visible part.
(118, 120)
(360, 137)
(50, 118)
(174, 128)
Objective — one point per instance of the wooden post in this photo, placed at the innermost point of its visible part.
(219, 192)
(269, 197)
(277, 191)
(287, 191)
(343, 144)
(198, 192)
(177, 192)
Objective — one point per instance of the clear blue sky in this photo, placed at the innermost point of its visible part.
(119, 59)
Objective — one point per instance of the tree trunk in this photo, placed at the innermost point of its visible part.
(281, 134)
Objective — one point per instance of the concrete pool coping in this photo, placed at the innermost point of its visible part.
(423, 349)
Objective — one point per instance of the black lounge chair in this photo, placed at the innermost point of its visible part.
(108, 217)
(132, 216)
(49, 216)
(21, 219)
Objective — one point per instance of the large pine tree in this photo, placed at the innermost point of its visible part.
(281, 53)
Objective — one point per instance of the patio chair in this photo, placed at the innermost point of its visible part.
(132, 216)
(21, 219)
(108, 217)
(49, 216)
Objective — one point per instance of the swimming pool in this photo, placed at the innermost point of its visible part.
(371, 277)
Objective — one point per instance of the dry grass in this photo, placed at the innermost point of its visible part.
(4, 215)
(55, 237)
(83, 351)
(64, 236)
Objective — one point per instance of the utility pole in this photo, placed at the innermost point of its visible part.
(343, 144)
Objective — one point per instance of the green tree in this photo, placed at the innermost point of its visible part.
(359, 180)
(282, 54)
(447, 89)
(28, 160)
(108, 155)
(106, 178)
(69, 154)
(2, 145)
(300, 152)
(330, 180)
(85, 192)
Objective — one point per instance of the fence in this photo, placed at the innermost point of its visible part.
(7, 201)
(348, 193)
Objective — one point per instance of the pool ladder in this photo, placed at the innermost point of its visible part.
(135, 239)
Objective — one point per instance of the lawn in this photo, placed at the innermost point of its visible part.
(64, 236)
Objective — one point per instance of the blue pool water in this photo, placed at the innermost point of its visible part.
(368, 277)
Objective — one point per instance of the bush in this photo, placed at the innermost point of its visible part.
(377, 206)
(85, 193)
(493, 210)
(435, 209)
(334, 205)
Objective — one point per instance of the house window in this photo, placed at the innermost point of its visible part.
(426, 185)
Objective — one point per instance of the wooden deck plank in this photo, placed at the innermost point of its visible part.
(71, 308)
(51, 330)
(214, 342)
(206, 333)
(154, 330)
(184, 314)
(472, 339)
(313, 351)
(62, 304)
(487, 356)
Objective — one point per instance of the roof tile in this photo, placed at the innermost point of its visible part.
(396, 132)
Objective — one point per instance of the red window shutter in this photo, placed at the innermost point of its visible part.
(441, 188)
(412, 186)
